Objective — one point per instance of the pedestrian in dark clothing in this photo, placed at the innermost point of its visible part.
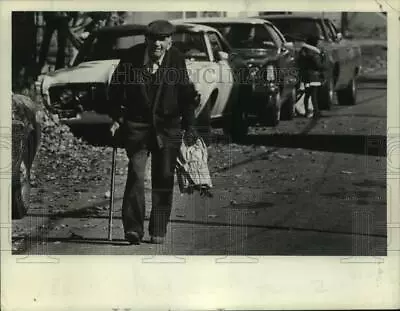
(154, 101)
(311, 74)
(55, 21)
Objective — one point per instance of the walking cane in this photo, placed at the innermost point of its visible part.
(110, 215)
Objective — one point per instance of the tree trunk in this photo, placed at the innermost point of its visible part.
(23, 50)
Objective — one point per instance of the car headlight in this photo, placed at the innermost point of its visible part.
(270, 73)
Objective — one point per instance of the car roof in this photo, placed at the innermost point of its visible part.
(137, 29)
(227, 20)
(192, 27)
(309, 16)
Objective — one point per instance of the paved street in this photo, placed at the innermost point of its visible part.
(305, 188)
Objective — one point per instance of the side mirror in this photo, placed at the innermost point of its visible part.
(221, 55)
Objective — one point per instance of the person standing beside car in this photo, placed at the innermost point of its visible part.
(311, 67)
(154, 101)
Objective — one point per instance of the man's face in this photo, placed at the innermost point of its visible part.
(157, 45)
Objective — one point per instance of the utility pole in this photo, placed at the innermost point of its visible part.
(344, 22)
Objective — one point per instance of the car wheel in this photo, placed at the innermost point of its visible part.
(273, 113)
(326, 95)
(348, 96)
(288, 107)
(236, 123)
(203, 126)
(22, 187)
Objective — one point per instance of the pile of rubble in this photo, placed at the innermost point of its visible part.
(61, 154)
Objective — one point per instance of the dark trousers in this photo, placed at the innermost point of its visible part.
(311, 92)
(162, 175)
(61, 26)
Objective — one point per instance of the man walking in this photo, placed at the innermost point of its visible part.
(55, 21)
(155, 100)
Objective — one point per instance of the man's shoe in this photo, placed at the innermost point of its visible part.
(157, 240)
(133, 237)
(317, 115)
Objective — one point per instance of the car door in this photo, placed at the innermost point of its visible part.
(342, 55)
(287, 70)
(349, 52)
(224, 76)
(333, 51)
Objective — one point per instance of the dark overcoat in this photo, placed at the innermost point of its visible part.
(167, 107)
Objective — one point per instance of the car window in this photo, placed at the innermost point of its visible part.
(191, 44)
(214, 42)
(223, 42)
(298, 28)
(274, 35)
(277, 31)
(329, 33)
(245, 36)
(105, 47)
(332, 29)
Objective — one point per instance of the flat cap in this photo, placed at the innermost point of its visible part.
(160, 28)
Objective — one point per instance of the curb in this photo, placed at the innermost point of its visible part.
(373, 78)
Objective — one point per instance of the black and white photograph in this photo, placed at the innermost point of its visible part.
(199, 133)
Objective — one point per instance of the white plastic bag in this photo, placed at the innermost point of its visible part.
(192, 168)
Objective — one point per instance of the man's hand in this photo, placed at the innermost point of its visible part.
(114, 128)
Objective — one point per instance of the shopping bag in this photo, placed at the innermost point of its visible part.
(192, 168)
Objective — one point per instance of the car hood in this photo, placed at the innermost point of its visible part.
(99, 71)
(257, 55)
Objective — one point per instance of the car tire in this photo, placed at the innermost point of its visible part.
(287, 111)
(273, 113)
(21, 188)
(348, 96)
(203, 122)
(236, 123)
(326, 95)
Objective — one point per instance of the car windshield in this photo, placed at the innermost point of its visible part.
(106, 46)
(298, 28)
(245, 36)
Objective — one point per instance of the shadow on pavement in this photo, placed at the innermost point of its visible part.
(374, 145)
(229, 225)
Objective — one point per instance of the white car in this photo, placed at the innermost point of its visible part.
(79, 93)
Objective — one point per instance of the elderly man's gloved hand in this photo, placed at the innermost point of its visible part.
(190, 136)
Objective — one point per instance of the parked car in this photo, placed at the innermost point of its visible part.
(26, 132)
(74, 91)
(272, 68)
(344, 56)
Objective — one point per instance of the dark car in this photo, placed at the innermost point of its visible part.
(272, 68)
(26, 132)
(343, 56)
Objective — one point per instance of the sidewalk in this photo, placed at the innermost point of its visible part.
(373, 75)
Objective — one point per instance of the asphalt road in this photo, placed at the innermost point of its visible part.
(304, 188)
